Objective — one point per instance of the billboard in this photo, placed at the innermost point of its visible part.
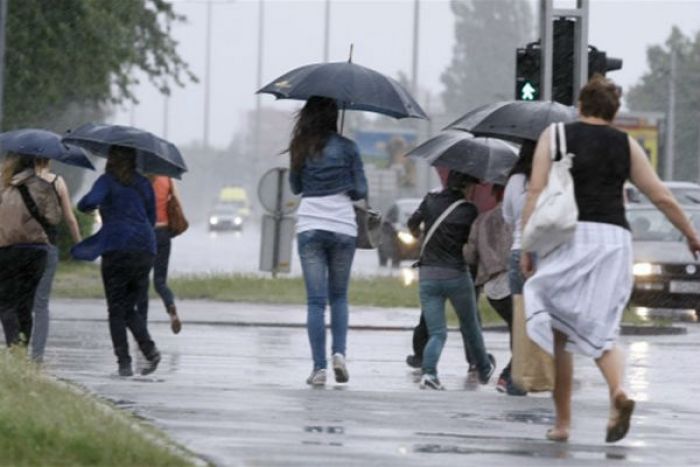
(645, 129)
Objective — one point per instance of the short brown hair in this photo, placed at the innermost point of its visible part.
(600, 97)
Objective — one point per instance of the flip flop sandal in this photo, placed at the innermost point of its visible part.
(619, 429)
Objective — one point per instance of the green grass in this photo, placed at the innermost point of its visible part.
(83, 280)
(45, 422)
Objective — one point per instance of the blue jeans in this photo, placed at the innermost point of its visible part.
(40, 331)
(326, 259)
(460, 292)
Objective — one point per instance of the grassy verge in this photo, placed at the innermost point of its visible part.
(82, 280)
(43, 422)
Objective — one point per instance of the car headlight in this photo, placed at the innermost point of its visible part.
(646, 269)
(406, 238)
(237, 220)
(213, 220)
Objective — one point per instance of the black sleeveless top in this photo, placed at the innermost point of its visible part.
(601, 165)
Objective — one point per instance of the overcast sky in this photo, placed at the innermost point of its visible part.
(382, 34)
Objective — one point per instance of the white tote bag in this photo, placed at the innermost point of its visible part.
(553, 221)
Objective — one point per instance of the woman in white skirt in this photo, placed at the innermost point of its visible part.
(579, 291)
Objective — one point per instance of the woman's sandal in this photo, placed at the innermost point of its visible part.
(620, 425)
(175, 323)
(560, 436)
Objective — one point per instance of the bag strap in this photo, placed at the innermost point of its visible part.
(34, 211)
(439, 221)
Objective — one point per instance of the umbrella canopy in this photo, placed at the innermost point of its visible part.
(487, 159)
(513, 120)
(354, 87)
(45, 144)
(153, 154)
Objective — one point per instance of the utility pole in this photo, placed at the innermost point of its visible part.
(3, 21)
(207, 73)
(416, 30)
(327, 32)
(166, 114)
(671, 120)
(261, 48)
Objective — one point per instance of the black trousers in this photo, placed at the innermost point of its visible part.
(504, 308)
(20, 272)
(125, 278)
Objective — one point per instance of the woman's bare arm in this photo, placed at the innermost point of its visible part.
(67, 209)
(648, 182)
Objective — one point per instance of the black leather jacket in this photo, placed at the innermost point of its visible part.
(445, 247)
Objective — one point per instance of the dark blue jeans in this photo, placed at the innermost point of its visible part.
(460, 292)
(160, 272)
(326, 259)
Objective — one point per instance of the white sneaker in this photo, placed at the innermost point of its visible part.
(431, 382)
(339, 368)
(317, 377)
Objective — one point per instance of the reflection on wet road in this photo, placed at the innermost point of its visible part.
(236, 396)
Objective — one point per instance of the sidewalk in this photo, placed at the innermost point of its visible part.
(235, 395)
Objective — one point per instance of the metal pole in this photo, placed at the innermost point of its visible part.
(414, 68)
(580, 48)
(3, 17)
(166, 114)
(671, 120)
(278, 223)
(207, 73)
(546, 49)
(327, 32)
(261, 47)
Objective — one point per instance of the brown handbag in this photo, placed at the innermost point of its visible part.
(177, 223)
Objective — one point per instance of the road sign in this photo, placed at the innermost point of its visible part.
(275, 193)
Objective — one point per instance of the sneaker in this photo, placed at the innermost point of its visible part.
(339, 368)
(125, 370)
(431, 382)
(151, 364)
(502, 385)
(317, 377)
(175, 323)
(513, 389)
(413, 361)
(485, 377)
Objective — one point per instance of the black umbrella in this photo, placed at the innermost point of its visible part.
(487, 159)
(153, 154)
(354, 87)
(513, 120)
(44, 144)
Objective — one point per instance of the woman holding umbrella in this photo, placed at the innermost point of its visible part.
(30, 210)
(127, 245)
(327, 171)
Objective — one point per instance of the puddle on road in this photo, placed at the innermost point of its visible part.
(538, 450)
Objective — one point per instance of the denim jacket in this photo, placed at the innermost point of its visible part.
(338, 170)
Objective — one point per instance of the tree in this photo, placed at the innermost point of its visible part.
(482, 70)
(651, 94)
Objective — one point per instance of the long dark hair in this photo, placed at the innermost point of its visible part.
(316, 121)
(525, 157)
(121, 164)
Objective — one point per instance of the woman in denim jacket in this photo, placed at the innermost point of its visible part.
(327, 171)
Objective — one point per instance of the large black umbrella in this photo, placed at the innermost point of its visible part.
(487, 159)
(513, 120)
(153, 154)
(354, 87)
(45, 144)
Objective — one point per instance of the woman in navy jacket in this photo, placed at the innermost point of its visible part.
(126, 243)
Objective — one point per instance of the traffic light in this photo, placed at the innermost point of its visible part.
(527, 73)
(599, 62)
(563, 61)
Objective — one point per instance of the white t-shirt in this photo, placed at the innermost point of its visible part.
(513, 204)
(333, 213)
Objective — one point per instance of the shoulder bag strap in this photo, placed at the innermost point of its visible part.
(33, 209)
(439, 221)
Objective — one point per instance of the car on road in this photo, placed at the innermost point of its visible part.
(226, 217)
(665, 273)
(396, 242)
(686, 193)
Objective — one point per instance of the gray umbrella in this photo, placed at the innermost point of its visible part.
(513, 120)
(487, 159)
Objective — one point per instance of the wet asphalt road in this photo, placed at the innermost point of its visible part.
(235, 395)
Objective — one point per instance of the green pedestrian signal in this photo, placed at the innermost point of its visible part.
(528, 92)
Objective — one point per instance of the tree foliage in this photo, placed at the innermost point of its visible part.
(67, 60)
(652, 91)
(482, 70)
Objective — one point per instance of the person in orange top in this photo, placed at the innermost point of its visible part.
(164, 189)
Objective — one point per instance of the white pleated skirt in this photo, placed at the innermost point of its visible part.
(582, 289)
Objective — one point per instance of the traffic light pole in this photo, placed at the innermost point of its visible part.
(547, 15)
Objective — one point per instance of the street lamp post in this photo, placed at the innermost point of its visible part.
(3, 18)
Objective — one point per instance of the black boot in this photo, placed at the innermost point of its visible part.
(153, 361)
